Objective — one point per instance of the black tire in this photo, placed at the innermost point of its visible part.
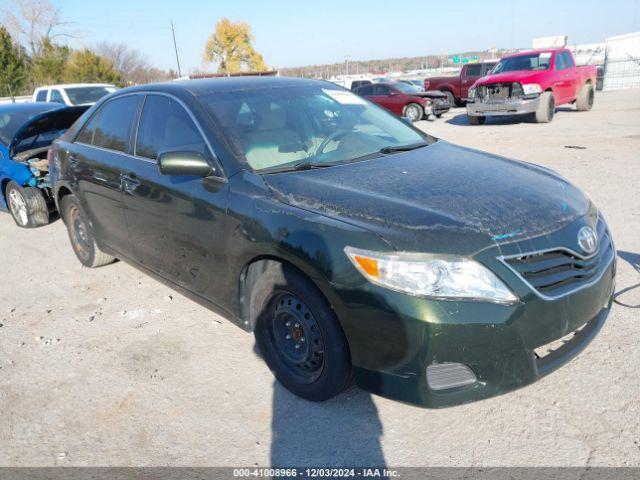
(585, 99)
(287, 310)
(546, 108)
(476, 120)
(413, 112)
(27, 206)
(450, 98)
(81, 234)
(438, 115)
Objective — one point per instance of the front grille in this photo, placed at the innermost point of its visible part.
(499, 92)
(560, 271)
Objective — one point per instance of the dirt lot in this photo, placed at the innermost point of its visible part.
(108, 367)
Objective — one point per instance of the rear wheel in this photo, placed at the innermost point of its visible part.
(81, 235)
(546, 108)
(450, 98)
(299, 335)
(413, 112)
(585, 99)
(27, 205)
(476, 120)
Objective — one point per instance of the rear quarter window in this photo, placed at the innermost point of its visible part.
(41, 96)
(110, 127)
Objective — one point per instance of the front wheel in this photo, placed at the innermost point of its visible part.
(81, 234)
(27, 205)
(546, 108)
(413, 112)
(299, 335)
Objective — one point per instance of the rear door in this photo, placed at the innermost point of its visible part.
(177, 223)
(96, 160)
(470, 73)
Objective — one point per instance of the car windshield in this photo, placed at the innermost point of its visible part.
(12, 120)
(534, 61)
(406, 88)
(275, 129)
(84, 95)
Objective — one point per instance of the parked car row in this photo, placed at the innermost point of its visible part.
(353, 245)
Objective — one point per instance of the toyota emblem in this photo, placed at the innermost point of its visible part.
(588, 240)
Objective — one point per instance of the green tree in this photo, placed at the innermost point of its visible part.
(13, 74)
(86, 66)
(48, 66)
(230, 46)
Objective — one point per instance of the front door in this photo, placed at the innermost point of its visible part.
(176, 223)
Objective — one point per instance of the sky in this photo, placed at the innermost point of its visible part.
(295, 33)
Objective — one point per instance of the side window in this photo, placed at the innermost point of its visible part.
(560, 62)
(568, 60)
(487, 67)
(474, 70)
(86, 134)
(381, 90)
(56, 96)
(367, 90)
(166, 126)
(41, 96)
(114, 123)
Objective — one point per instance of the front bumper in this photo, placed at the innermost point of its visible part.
(493, 108)
(394, 337)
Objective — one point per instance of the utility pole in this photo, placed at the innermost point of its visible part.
(346, 65)
(175, 47)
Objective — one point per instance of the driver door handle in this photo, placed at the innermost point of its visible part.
(129, 183)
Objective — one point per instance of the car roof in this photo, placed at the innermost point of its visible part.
(205, 86)
(533, 52)
(76, 85)
(29, 107)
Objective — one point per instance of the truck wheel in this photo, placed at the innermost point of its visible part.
(476, 120)
(584, 102)
(546, 108)
(27, 205)
(413, 112)
(299, 335)
(450, 98)
(81, 235)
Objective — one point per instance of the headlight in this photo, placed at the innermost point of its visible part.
(531, 88)
(436, 276)
(472, 93)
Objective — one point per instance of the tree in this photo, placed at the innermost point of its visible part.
(230, 47)
(48, 67)
(86, 66)
(33, 23)
(12, 66)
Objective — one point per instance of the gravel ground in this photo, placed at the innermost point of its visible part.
(109, 367)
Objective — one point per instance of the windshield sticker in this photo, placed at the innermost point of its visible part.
(344, 97)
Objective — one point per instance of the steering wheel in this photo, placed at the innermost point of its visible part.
(334, 136)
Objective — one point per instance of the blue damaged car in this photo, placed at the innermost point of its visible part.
(26, 133)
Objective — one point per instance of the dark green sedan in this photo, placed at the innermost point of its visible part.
(353, 245)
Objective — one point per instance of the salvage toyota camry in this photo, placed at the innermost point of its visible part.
(352, 244)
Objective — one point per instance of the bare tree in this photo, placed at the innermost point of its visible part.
(124, 59)
(131, 64)
(32, 22)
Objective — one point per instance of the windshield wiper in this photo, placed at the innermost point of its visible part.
(403, 148)
(304, 165)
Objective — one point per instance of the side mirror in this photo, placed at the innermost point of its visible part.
(184, 164)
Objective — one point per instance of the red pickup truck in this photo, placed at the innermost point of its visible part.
(532, 83)
(456, 88)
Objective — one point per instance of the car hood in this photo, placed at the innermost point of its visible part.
(440, 198)
(51, 120)
(522, 76)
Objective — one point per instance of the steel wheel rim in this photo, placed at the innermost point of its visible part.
(79, 233)
(412, 113)
(296, 337)
(18, 207)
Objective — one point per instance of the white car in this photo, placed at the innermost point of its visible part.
(73, 94)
